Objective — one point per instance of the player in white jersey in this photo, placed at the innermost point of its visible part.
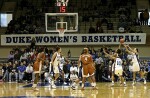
(55, 61)
(135, 63)
(117, 66)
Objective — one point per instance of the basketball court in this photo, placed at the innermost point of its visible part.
(24, 90)
(62, 23)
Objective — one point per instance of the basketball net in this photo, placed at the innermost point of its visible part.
(61, 32)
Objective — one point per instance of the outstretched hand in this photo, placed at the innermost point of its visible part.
(104, 50)
(125, 45)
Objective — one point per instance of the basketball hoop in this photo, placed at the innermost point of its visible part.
(61, 32)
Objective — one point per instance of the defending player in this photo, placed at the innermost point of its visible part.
(118, 70)
(37, 67)
(55, 63)
(88, 68)
(77, 80)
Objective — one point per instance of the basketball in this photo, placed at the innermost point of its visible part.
(121, 40)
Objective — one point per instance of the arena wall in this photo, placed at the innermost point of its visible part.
(76, 50)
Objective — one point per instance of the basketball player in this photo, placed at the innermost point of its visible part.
(117, 66)
(88, 68)
(113, 66)
(55, 61)
(76, 82)
(37, 67)
(135, 63)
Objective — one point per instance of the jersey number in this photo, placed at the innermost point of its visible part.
(119, 63)
(85, 58)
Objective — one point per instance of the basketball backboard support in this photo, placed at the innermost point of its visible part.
(66, 21)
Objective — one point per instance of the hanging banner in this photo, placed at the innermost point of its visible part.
(73, 39)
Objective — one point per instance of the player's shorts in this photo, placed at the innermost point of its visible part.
(118, 70)
(55, 69)
(136, 67)
(36, 66)
(88, 70)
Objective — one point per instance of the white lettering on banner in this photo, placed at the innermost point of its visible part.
(73, 39)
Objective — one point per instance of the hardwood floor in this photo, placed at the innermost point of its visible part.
(23, 90)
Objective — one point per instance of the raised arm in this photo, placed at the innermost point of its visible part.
(131, 49)
(119, 46)
(110, 56)
(127, 49)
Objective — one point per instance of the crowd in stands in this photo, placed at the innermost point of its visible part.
(19, 67)
(123, 12)
(31, 21)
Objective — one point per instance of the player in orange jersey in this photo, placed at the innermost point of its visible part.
(37, 67)
(88, 68)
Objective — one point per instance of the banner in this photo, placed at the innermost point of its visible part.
(73, 39)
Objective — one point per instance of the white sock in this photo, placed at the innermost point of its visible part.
(124, 82)
(82, 85)
(94, 84)
(74, 84)
(52, 82)
(112, 81)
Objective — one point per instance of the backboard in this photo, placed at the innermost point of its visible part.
(66, 21)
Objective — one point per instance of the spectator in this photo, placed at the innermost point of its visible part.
(148, 75)
(13, 73)
(5, 72)
(23, 58)
(17, 55)
(33, 57)
(98, 24)
(11, 56)
(21, 70)
(110, 26)
(69, 54)
(32, 46)
(104, 20)
(93, 53)
(142, 17)
(30, 52)
(146, 16)
(29, 73)
(73, 72)
(66, 68)
(25, 63)
(92, 29)
(99, 30)
(98, 63)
